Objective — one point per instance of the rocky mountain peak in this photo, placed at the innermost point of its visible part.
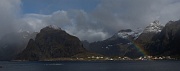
(156, 22)
(51, 42)
(154, 27)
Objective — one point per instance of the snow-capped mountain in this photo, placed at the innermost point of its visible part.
(154, 27)
(118, 45)
(166, 42)
(129, 33)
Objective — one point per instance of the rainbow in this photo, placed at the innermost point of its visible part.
(140, 48)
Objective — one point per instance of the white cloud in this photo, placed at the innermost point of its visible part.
(91, 35)
(109, 17)
(75, 22)
(34, 21)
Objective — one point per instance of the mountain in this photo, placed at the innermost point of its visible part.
(127, 34)
(156, 40)
(166, 43)
(13, 43)
(120, 44)
(149, 32)
(52, 42)
(154, 27)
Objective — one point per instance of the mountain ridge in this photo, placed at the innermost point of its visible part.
(51, 43)
(155, 39)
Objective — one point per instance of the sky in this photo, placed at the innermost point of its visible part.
(91, 20)
(50, 6)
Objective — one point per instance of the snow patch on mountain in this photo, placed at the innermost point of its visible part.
(155, 27)
(125, 33)
(129, 33)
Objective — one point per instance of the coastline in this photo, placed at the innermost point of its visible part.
(103, 59)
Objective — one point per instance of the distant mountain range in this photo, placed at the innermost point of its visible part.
(53, 42)
(119, 44)
(155, 40)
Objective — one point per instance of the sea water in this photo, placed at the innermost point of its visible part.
(91, 66)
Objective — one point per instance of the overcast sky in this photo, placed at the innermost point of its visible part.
(90, 20)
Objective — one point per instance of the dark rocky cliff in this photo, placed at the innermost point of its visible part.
(167, 42)
(51, 43)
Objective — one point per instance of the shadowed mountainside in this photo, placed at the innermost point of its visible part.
(52, 42)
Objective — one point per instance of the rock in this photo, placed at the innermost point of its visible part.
(52, 43)
(166, 43)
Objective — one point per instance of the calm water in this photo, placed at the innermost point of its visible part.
(92, 66)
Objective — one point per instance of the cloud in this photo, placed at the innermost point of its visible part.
(38, 21)
(113, 15)
(9, 10)
(108, 17)
(117, 14)
(75, 22)
(170, 12)
(91, 35)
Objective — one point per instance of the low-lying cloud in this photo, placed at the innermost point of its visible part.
(9, 9)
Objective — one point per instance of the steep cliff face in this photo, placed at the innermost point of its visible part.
(52, 42)
(149, 32)
(167, 41)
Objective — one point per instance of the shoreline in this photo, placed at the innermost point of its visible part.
(89, 60)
